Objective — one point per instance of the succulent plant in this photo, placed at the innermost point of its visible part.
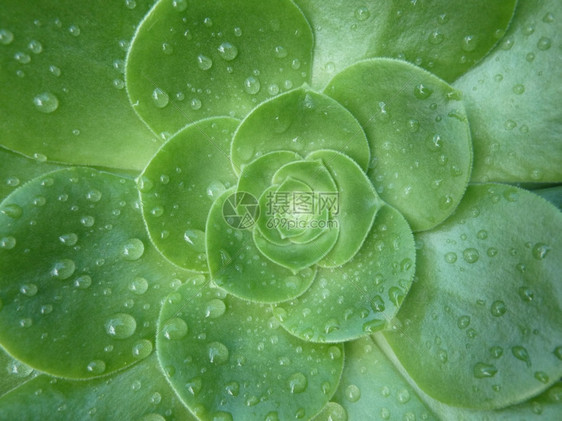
(238, 210)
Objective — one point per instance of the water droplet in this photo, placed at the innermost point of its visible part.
(548, 18)
(540, 251)
(142, 349)
(74, 30)
(374, 325)
(175, 329)
(63, 269)
(138, 285)
(471, 255)
(35, 47)
(252, 85)
(403, 396)
(7, 243)
(133, 249)
(362, 14)
(179, 5)
(196, 104)
(377, 303)
(422, 92)
(121, 326)
(498, 308)
(518, 89)
(469, 43)
(544, 43)
(218, 353)
(46, 102)
(451, 257)
(542, 377)
(93, 195)
(6, 37)
(521, 353)
(18, 369)
(22, 58)
(160, 98)
(83, 282)
(96, 367)
(297, 383)
(46, 309)
(463, 322)
(215, 189)
(228, 51)
(483, 370)
(204, 62)
(215, 308)
(526, 294)
(12, 210)
(29, 289)
(436, 37)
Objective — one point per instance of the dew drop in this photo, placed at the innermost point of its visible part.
(521, 354)
(526, 294)
(46, 102)
(362, 14)
(204, 62)
(142, 349)
(377, 304)
(7, 243)
(138, 286)
(218, 353)
(195, 239)
(74, 30)
(93, 195)
(471, 255)
(498, 308)
(160, 98)
(436, 38)
(63, 269)
(35, 47)
(518, 89)
(422, 92)
(215, 189)
(252, 85)
(121, 326)
(215, 308)
(544, 43)
(83, 282)
(96, 367)
(540, 251)
(451, 257)
(29, 289)
(133, 249)
(542, 377)
(228, 51)
(22, 58)
(463, 322)
(469, 43)
(196, 104)
(483, 370)
(6, 37)
(175, 329)
(297, 383)
(179, 5)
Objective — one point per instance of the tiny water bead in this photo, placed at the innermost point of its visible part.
(121, 326)
(46, 102)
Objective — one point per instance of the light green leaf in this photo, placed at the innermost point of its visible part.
(357, 205)
(371, 388)
(13, 373)
(418, 132)
(363, 295)
(238, 363)
(189, 61)
(514, 97)
(63, 96)
(80, 283)
(16, 170)
(236, 265)
(485, 312)
(179, 185)
(301, 121)
(443, 36)
(140, 393)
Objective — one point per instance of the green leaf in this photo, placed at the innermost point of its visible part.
(301, 121)
(443, 36)
(80, 283)
(552, 194)
(486, 307)
(419, 136)
(238, 363)
(236, 265)
(14, 373)
(63, 96)
(16, 170)
(357, 205)
(372, 388)
(514, 97)
(363, 295)
(140, 393)
(190, 60)
(179, 185)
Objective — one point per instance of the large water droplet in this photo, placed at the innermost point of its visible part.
(63, 269)
(175, 328)
(138, 285)
(12, 210)
(179, 5)
(46, 102)
(422, 92)
(83, 282)
(6, 37)
(133, 249)
(217, 353)
(252, 85)
(297, 383)
(498, 308)
(483, 370)
(540, 251)
(160, 98)
(121, 326)
(96, 367)
(204, 62)
(142, 349)
(7, 243)
(228, 51)
(29, 289)
(471, 255)
(521, 353)
(352, 393)
(215, 308)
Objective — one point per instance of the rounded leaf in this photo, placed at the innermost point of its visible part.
(418, 132)
(240, 364)
(361, 296)
(189, 61)
(80, 283)
(487, 303)
(301, 121)
(179, 185)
